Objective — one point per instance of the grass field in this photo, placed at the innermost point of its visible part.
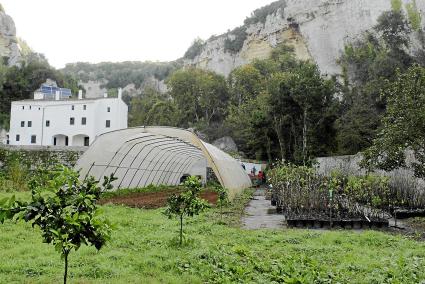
(144, 249)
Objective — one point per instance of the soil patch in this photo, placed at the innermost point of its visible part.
(152, 200)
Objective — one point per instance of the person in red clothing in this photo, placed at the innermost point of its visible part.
(260, 176)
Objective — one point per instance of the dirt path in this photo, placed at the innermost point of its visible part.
(260, 214)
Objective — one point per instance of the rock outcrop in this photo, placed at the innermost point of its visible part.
(317, 29)
(96, 88)
(226, 144)
(9, 48)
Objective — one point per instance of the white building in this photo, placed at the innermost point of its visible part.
(54, 118)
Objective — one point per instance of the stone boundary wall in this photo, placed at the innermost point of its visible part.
(33, 156)
(402, 178)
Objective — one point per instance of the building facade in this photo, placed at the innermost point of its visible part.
(53, 117)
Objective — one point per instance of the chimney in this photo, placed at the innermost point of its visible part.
(105, 95)
(80, 94)
(57, 96)
(120, 93)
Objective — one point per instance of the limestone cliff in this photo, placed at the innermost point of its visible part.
(317, 29)
(9, 48)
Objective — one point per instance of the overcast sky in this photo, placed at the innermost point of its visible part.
(105, 30)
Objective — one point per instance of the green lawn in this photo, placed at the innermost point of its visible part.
(143, 250)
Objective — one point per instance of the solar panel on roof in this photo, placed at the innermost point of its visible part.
(51, 90)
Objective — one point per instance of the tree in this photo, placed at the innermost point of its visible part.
(369, 65)
(402, 129)
(200, 96)
(245, 83)
(300, 103)
(64, 208)
(357, 127)
(187, 203)
(195, 49)
(222, 198)
(287, 109)
(152, 108)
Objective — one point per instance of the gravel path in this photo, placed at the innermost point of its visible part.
(260, 214)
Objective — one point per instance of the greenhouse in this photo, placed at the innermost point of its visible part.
(142, 156)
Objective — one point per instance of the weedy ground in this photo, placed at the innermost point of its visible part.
(144, 249)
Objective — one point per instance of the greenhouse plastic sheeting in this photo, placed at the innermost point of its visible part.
(158, 155)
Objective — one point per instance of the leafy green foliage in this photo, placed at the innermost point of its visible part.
(200, 96)
(396, 5)
(152, 108)
(370, 64)
(195, 49)
(400, 132)
(260, 15)
(282, 108)
(64, 208)
(120, 74)
(223, 198)
(414, 15)
(187, 203)
(245, 84)
(235, 40)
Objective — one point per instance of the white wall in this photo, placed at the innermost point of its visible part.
(59, 114)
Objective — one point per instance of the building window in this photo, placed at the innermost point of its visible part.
(22, 123)
(72, 121)
(47, 123)
(54, 141)
(84, 107)
(66, 141)
(30, 107)
(33, 139)
(29, 123)
(18, 137)
(108, 123)
(109, 109)
(86, 141)
(39, 108)
(72, 107)
(83, 121)
(23, 107)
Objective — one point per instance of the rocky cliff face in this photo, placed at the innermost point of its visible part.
(96, 88)
(9, 47)
(317, 29)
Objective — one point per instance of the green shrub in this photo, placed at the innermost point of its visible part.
(236, 44)
(260, 15)
(195, 49)
(396, 5)
(414, 15)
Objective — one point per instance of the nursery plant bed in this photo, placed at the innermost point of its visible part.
(408, 213)
(342, 224)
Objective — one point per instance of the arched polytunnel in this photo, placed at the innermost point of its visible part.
(159, 155)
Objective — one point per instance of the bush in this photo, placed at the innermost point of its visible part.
(236, 44)
(195, 49)
(260, 15)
